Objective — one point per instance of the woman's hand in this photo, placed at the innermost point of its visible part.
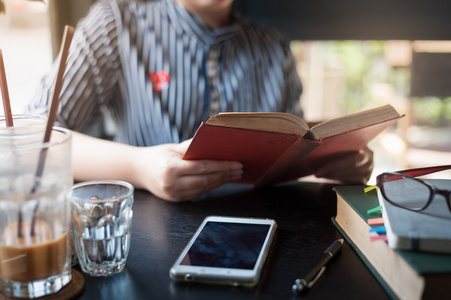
(162, 171)
(355, 168)
(159, 169)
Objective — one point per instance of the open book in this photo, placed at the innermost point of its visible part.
(277, 147)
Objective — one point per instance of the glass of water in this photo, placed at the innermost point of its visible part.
(101, 220)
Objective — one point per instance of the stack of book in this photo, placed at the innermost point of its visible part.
(404, 274)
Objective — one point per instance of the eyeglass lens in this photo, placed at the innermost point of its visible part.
(407, 192)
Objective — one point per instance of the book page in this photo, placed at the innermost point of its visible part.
(271, 122)
(354, 121)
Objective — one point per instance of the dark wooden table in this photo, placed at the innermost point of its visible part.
(303, 211)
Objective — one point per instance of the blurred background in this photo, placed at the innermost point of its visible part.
(350, 56)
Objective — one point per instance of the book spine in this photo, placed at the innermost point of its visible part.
(287, 166)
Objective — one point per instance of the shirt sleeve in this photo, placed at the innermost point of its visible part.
(91, 76)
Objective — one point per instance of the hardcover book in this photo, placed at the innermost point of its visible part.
(404, 274)
(278, 147)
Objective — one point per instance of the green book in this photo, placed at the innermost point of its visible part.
(404, 274)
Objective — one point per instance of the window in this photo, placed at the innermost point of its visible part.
(341, 77)
(26, 47)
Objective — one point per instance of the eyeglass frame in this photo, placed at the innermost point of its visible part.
(412, 173)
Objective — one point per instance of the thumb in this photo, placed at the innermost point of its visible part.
(183, 146)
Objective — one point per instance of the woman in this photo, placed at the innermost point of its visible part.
(160, 68)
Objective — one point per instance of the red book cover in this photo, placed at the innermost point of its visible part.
(256, 150)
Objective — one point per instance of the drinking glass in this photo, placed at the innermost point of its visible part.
(101, 219)
(35, 186)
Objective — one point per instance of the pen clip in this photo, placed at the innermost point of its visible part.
(317, 277)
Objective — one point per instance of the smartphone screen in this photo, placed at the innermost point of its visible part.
(226, 250)
(227, 245)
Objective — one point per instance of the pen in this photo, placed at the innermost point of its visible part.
(302, 284)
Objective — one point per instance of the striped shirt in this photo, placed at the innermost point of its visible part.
(160, 71)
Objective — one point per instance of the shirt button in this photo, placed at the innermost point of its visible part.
(215, 95)
(212, 64)
(211, 72)
(214, 106)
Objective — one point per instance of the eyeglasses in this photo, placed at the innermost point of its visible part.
(402, 189)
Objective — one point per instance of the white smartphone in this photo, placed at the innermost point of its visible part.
(226, 250)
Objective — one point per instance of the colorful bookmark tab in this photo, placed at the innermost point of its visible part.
(373, 210)
(376, 221)
(378, 238)
(370, 188)
(379, 229)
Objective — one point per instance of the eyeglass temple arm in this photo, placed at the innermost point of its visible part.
(424, 171)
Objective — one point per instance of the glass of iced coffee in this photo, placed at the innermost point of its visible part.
(35, 185)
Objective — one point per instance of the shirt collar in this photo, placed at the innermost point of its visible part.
(187, 23)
